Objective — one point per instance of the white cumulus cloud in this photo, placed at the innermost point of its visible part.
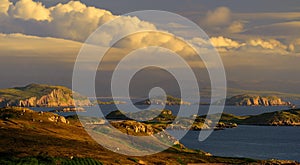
(267, 44)
(224, 42)
(28, 9)
(4, 6)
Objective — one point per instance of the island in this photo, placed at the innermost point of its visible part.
(166, 120)
(99, 102)
(255, 100)
(40, 95)
(170, 100)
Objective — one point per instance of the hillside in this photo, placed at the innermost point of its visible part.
(37, 95)
(256, 100)
(26, 135)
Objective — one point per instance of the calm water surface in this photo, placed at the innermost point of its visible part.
(259, 142)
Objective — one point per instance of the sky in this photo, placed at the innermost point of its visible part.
(258, 41)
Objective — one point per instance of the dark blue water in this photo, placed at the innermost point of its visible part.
(259, 142)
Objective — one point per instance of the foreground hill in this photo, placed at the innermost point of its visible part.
(25, 134)
(256, 100)
(37, 95)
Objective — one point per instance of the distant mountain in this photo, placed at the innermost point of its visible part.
(37, 95)
(256, 100)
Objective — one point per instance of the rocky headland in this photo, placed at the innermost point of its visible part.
(37, 95)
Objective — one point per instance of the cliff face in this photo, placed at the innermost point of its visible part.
(35, 95)
(255, 100)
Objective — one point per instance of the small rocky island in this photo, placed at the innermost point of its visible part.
(170, 100)
(166, 119)
(256, 100)
(38, 95)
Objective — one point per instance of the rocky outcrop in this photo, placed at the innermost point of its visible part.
(20, 113)
(35, 95)
(56, 118)
(255, 100)
(133, 127)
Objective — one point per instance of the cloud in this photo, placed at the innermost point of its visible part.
(4, 6)
(220, 21)
(262, 46)
(28, 9)
(236, 27)
(222, 42)
(295, 46)
(38, 48)
(287, 16)
(73, 20)
(76, 21)
(283, 29)
(220, 16)
(267, 44)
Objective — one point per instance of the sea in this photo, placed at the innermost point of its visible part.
(257, 142)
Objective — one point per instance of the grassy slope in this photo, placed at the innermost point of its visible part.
(21, 137)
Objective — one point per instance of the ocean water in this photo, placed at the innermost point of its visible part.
(259, 142)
